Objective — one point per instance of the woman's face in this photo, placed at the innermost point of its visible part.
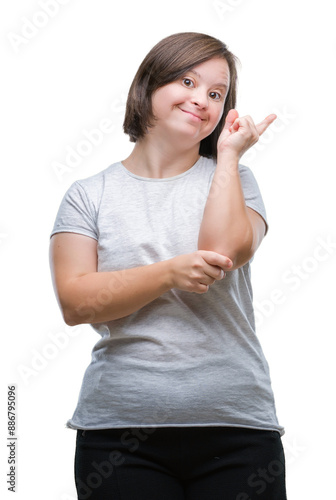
(192, 106)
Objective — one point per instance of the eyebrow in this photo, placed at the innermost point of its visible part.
(220, 84)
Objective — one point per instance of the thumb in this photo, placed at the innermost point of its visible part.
(230, 118)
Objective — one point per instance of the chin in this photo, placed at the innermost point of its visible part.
(190, 130)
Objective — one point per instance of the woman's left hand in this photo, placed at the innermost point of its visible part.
(240, 133)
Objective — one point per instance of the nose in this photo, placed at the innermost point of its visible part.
(200, 98)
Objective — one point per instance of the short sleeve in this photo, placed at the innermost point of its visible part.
(252, 194)
(76, 213)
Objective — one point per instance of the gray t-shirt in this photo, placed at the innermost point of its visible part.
(185, 359)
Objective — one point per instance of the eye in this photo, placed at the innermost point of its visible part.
(187, 82)
(216, 96)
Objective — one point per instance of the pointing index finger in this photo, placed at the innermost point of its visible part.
(262, 126)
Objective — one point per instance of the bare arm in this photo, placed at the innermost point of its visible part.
(228, 225)
(88, 296)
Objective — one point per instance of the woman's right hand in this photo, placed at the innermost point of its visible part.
(195, 272)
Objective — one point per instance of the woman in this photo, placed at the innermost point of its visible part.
(154, 252)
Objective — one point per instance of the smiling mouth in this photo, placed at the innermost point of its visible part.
(196, 117)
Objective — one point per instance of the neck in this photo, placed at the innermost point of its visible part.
(159, 159)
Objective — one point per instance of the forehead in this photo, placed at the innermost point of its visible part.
(216, 69)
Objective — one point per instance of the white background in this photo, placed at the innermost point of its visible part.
(74, 71)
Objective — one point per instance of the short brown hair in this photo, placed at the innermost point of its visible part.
(166, 62)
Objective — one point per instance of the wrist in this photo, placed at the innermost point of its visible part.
(169, 275)
(228, 159)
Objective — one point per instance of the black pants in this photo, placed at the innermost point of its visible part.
(180, 463)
